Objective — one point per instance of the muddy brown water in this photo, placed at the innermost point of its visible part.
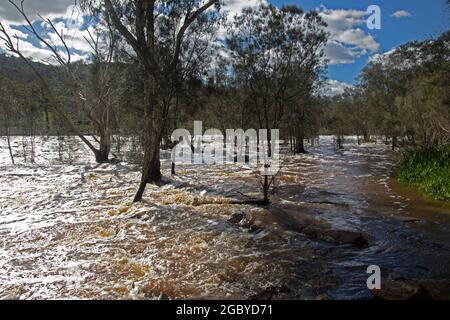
(70, 231)
(354, 189)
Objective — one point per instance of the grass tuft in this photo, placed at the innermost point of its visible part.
(427, 169)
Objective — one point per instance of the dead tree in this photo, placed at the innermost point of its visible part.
(102, 90)
(97, 112)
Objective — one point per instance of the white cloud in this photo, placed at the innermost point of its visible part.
(234, 7)
(67, 20)
(22, 40)
(33, 8)
(337, 53)
(334, 88)
(347, 40)
(37, 51)
(401, 14)
(13, 32)
(74, 38)
(358, 38)
(339, 19)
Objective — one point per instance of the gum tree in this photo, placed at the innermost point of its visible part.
(157, 33)
(276, 59)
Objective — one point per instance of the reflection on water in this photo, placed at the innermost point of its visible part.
(70, 232)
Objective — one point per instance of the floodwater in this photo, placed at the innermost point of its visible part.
(70, 231)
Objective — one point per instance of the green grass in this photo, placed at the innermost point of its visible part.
(427, 169)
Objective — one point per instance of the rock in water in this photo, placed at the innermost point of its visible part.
(401, 289)
(339, 237)
(271, 293)
(318, 229)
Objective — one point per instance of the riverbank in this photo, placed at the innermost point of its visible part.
(427, 169)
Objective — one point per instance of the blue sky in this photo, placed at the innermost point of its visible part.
(350, 47)
(428, 18)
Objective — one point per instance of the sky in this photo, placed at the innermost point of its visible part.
(350, 47)
(401, 21)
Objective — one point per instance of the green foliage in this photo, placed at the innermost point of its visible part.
(403, 95)
(427, 169)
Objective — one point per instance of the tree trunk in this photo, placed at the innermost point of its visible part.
(266, 190)
(300, 145)
(394, 142)
(102, 155)
(154, 169)
(151, 168)
(47, 118)
(8, 138)
(339, 142)
(366, 138)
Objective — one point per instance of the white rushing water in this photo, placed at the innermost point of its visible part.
(69, 230)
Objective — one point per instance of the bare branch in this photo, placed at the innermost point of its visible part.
(187, 23)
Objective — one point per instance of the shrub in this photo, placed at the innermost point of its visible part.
(428, 169)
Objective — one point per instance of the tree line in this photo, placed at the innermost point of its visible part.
(403, 95)
(158, 65)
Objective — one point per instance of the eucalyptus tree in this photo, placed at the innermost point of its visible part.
(276, 60)
(408, 89)
(167, 38)
(425, 105)
(383, 83)
(306, 83)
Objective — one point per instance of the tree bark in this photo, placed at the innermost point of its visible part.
(366, 138)
(102, 154)
(151, 167)
(394, 142)
(151, 170)
(266, 187)
(8, 138)
(300, 144)
(339, 142)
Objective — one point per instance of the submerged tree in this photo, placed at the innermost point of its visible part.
(277, 59)
(97, 110)
(408, 92)
(158, 32)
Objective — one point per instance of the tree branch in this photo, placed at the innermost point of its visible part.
(188, 21)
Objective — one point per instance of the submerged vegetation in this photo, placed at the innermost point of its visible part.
(93, 206)
(427, 169)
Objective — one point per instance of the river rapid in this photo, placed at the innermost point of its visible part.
(70, 230)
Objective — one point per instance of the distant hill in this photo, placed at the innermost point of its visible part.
(15, 69)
